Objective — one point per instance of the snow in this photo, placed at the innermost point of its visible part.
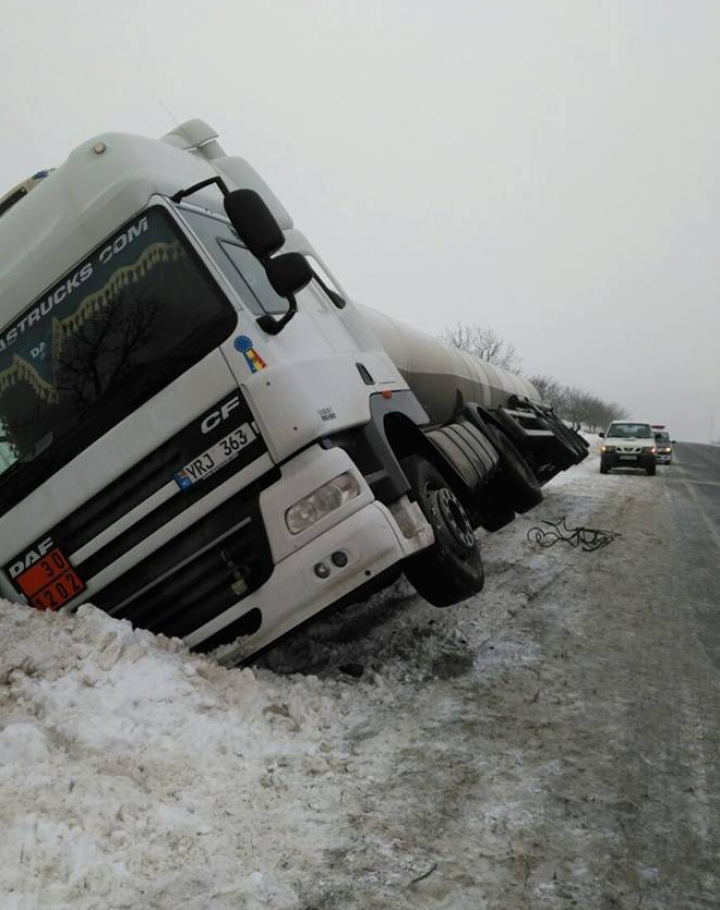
(136, 774)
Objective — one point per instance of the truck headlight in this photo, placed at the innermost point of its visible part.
(321, 502)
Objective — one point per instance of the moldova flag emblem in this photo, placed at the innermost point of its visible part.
(252, 358)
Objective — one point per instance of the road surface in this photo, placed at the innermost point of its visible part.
(564, 749)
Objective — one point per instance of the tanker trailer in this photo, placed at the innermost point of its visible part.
(450, 382)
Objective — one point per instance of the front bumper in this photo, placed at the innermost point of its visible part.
(372, 542)
(628, 460)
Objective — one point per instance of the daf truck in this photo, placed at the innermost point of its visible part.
(201, 432)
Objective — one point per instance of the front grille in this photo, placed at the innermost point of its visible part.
(189, 580)
(145, 478)
(120, 497)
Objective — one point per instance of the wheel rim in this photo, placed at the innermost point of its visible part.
(455, 520)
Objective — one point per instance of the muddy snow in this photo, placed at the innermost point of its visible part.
(546, 745)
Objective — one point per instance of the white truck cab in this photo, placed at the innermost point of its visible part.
(201, 432)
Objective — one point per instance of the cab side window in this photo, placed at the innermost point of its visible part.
(237, 264)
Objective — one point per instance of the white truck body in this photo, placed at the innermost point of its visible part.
(153, 437)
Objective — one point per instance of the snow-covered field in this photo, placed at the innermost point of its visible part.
(377, 759)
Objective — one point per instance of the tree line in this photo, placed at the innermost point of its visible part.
(581, 409)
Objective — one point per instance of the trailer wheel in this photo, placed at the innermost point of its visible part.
(491, 511)
(571, 443)
(493, 517)
(451, 569)
(516, 480)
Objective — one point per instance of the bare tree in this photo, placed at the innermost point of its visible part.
(483, 342)
(583, 410)
(549, 390)
(617, 412)
(97, 357)
(573, 406)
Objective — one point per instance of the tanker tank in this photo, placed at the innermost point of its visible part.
(441, 376)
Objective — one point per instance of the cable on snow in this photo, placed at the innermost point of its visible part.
(586, 539)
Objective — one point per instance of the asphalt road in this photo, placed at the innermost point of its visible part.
(670, 764)
(696, 475)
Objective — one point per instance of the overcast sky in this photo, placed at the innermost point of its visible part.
(546, 168)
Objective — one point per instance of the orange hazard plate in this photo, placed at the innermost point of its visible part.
(51, 582)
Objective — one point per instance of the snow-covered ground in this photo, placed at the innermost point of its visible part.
(379, 758)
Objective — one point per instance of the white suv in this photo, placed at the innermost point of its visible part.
(628, 444)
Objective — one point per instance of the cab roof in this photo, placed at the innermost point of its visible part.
(103, 183)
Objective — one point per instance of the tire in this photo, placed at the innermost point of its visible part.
(451, 570)
(516, 483)
(604, 469)
(652, 470)
(494, 516)
(572, 447)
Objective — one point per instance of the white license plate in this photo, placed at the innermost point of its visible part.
(215, 457)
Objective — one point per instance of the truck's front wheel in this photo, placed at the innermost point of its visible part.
(451, 569)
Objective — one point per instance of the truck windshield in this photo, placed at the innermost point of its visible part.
(138, 312)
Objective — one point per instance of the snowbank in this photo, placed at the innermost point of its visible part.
(135, 774)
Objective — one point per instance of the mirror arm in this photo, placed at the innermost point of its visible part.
(273, 326)
(181, 194)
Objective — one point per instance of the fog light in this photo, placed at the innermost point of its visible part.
(339, 559)
(321, 570)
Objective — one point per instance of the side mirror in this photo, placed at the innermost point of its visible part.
(601, 435)
(673, 441)
(254, 222)
(288, 273)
